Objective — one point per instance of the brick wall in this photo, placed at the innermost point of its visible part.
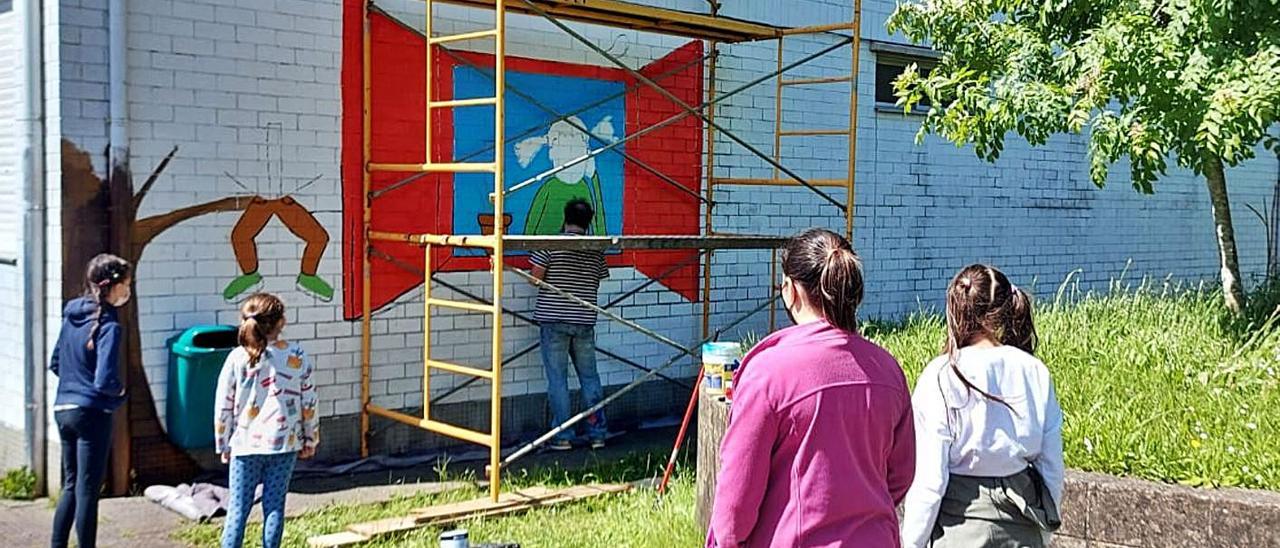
(250, 93)
(12, 375)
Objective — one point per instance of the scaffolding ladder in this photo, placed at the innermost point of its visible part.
(492, 244)
(781, 131)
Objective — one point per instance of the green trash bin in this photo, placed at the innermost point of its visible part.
(195, 360)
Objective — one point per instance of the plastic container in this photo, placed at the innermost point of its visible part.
(456, 538)
(195, 360)
(715, 356)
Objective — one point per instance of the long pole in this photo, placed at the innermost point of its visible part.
(499, 229)
(684, 428)
(366, 272)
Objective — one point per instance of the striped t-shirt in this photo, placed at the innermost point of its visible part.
(577, 272)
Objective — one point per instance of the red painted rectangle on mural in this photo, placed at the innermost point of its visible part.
(397, 113)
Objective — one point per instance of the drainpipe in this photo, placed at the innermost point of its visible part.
(121, 216)
(33, 240)
(118, 156)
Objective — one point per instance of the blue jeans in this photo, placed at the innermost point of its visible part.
(560, 343)
(273, 472)
(86, 444)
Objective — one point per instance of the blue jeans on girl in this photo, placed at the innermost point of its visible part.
(562, 342)
(86, 443)
(273, 472)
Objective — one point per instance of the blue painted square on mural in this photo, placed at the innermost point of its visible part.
(535, 146)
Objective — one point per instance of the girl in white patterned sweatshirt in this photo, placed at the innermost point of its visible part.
(265, 418)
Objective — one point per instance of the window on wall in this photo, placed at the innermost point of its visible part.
(6, 6)
(891, 61)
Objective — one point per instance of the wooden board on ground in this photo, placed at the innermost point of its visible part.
(508, 503)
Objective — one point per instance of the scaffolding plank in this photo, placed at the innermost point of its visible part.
(507, 503)
(534, 243)
(616, 13)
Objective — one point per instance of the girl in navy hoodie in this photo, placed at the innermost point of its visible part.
(87, 363)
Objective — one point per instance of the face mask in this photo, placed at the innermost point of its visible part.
(788, 289)
(123, 297)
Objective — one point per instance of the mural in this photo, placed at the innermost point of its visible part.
(556, 141)
(300, 222)
(270, 200)
(549, 103)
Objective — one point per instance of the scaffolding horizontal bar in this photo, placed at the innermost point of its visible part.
(468, 167)
(778, 182)
(461, 305)
(812, 132)
(449, 240)
(817, 29)
(534, 243)
(460, 369)
(491, 33)
(807, 81)
(434, 426)
(476, 102)
(616, 13)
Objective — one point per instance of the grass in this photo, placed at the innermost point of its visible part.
(1156, 382)
(18, 484)
(625, 520)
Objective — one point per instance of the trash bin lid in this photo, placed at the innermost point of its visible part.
(205, 339)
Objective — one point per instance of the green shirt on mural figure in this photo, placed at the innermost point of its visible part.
(546, 215)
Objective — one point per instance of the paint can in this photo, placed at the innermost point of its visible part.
(715, 356)
(456, 538)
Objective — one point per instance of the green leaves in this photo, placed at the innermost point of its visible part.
(1150, 81)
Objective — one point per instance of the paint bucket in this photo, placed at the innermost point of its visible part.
(715, 356)
(456, 538)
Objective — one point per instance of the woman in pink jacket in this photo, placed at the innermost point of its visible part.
(820, 447)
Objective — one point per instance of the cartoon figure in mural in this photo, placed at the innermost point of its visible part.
(300, 222)
(581, 181)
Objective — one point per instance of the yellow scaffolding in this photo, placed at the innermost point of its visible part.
(712, 28)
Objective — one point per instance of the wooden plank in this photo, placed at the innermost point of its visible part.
(336, 540)
(508, 503)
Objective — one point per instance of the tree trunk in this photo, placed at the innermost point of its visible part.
(1232, 290)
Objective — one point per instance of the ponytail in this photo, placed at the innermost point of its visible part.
(260, 317)
(840, 287)
(1020, 328)
(978, 305)
(826, 265)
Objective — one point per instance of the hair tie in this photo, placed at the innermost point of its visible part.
(248, 317)
(1013, 289)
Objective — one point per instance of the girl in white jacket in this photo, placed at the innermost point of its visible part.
(989, 468)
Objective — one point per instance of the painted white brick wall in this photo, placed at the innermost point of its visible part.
(12, 375)
(251, 89)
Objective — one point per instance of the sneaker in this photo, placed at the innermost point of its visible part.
(241, 284)
(597, 444)
(315, 286)
(560, 445)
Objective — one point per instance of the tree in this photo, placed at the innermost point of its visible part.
(103, 215)
(1192, 81)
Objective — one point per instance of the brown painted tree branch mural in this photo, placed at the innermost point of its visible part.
(100, 215)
